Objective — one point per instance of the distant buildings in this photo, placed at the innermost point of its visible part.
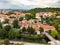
(44, 14)
(2, 17)
(25, 23)
(36, 26)
(5, 12)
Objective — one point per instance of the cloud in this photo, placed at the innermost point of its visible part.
(28, 4)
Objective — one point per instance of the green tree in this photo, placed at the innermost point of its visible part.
(58, 28)
(52, 17)
(35, 21)
(15, 23)
(58, 36)
(0, 25)
(13, 33)
(6, 21)
(41, 29)
(54, 33)
(23, 29)
(30, 30)
(49, 31)
(3, 33)
(55, 23)
(9, 13)
(6, 42)
(42, 19)
(47, 19)
(7, 27)
(36, 10)
(29, 16)
(21, 18)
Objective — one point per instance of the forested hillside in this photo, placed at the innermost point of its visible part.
(43, 10)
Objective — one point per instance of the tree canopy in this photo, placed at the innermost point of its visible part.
(35, 10)
(15, 23)
(13, 33)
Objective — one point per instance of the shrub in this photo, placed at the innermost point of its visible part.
(19, 44)
(6, 42)
(21, 18)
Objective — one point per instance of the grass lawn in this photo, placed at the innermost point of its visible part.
(1, 40)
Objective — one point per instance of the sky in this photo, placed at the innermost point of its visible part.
(28, 4)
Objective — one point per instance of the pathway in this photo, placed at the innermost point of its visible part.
(57, 42)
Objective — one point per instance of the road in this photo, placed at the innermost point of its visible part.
(57, 42)
(48, 36)
(26, 43)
